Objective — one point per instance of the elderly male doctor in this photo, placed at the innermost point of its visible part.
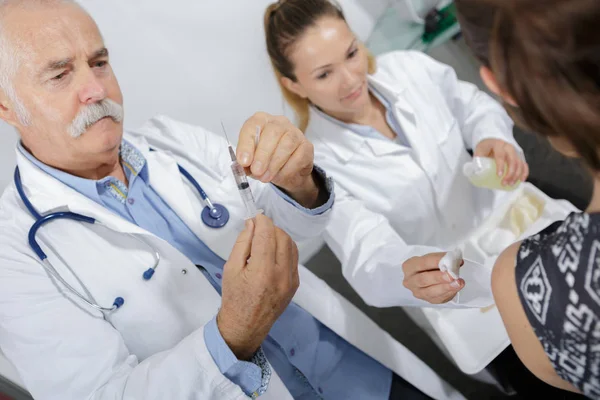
(200, 328)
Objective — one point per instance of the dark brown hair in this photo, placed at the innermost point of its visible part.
(285, 22)
(476, 20)
(545, 54)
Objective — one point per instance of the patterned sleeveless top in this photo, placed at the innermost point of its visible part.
(558, 279)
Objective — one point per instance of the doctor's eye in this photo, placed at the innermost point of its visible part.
(100, 64)
(353, 53)
(60, 76)
(323, 75)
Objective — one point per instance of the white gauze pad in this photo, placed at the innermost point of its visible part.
(450, 263)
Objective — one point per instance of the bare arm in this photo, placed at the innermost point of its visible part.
(523, 338)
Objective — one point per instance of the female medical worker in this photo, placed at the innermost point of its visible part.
(394, 136)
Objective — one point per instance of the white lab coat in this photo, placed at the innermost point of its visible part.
(395, 202)
(153, 347)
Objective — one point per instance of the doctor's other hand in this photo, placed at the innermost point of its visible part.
(424, 279)
(259, 281)
(506, 156)
(272, 149)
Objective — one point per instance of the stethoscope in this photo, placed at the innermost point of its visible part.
(213, 215)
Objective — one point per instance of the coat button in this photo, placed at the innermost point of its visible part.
(131, 201)
(292, 352)
(184, 271)
(218, 275)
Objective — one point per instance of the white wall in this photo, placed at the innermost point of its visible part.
(8, 138)
(198, 61)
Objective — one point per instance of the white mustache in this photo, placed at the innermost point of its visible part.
(93, 113)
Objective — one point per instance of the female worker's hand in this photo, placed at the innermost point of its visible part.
(506, 155)
(283, 156)
(424, 279)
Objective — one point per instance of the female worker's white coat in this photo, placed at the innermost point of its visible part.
(395, 202)
(153, 347)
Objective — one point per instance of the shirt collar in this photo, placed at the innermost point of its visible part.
(86, 187)
(362, 130)
(381, 97)
(133, 161)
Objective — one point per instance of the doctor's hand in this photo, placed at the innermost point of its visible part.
(259, 281)
(424, 279)
(272, 149)
(506, 156)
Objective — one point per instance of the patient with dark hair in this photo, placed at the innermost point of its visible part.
(543, 59)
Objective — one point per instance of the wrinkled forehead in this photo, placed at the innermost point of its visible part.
(41, 34)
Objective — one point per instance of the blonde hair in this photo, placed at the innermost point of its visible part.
(285, 22)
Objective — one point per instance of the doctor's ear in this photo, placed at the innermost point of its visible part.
(490, 81)
(293, 87)
(7, 110)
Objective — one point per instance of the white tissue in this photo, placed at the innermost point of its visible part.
(451, 263)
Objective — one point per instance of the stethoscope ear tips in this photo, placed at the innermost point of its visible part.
(148, 274)
(119, 301)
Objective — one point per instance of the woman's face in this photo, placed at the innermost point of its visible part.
(331, 68)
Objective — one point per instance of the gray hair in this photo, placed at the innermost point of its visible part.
(9, 57)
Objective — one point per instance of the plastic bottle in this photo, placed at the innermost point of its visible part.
(482, 173)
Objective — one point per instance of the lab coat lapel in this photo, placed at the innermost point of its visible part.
(383, 147)
(185, 201)
(168, 182)
(342, 142)
(47, 194)
(402, 111)
(409, 122)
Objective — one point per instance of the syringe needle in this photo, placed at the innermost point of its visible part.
(231, 152)
(225, 133)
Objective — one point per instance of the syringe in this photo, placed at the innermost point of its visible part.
(242, 182)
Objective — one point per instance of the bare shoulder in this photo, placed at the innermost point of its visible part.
(523, 338)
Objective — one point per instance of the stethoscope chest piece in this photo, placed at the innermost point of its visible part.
(215, 217)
